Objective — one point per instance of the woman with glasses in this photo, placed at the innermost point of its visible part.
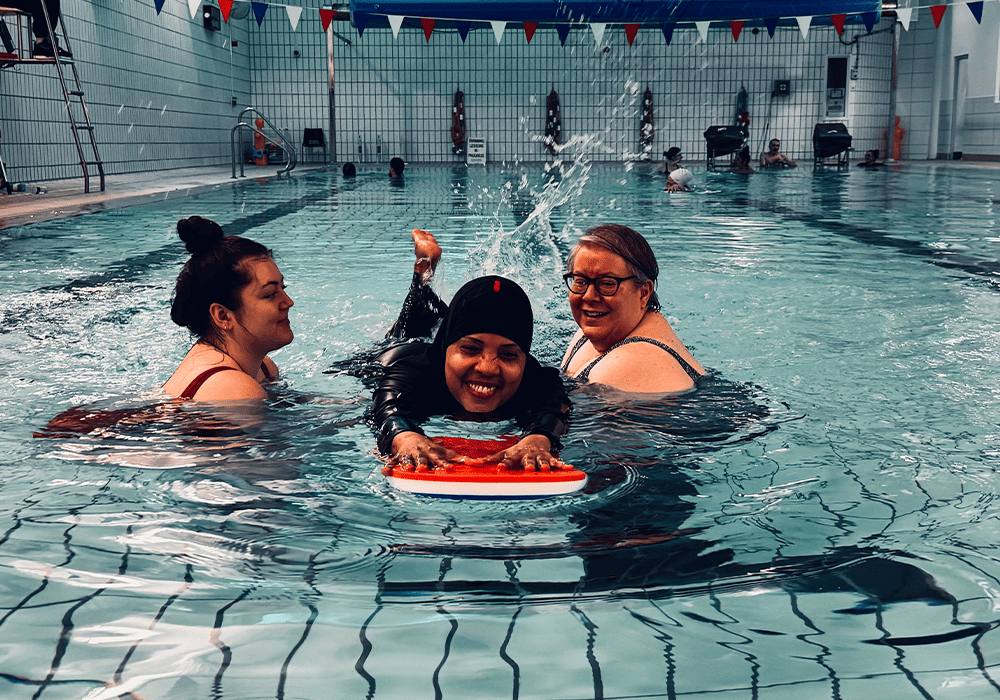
(624, 341)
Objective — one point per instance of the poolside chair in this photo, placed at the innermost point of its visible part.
(831, 141)
(723, 140)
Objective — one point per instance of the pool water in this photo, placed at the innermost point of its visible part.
(815, 521)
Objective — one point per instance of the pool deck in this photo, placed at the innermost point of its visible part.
(63, 198)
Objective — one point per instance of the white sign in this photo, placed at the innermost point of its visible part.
(476, 153)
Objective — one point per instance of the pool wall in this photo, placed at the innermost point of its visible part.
(161, 88)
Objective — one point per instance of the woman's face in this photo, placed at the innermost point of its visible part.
(607, 320)
(483, 371)
(263, 318)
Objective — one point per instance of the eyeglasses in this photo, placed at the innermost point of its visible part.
(606, 286)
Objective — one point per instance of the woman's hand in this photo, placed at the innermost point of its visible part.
(413, 451)
(531, 452)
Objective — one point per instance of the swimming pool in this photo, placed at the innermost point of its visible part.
(816, 521)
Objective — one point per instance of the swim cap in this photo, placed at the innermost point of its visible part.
(488, 304)
(681, 176)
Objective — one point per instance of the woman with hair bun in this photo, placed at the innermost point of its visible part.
(624, 341)
(231, 296)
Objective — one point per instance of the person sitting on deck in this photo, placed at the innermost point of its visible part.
(43, 45)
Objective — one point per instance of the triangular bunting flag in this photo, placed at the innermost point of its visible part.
(977, 11)
(498, 29)
(395, 22)
(225, 5)
(736, 25)
(563, 31)
(903, 14)
(360, 20)
(259, 8)
(326, 16)
(838, 23)
(463, 29)
(193, 5)
(159, 5)
(869, 18)
(598, 29)
(529, 30)
(703, 30)
(630, 31)
(668, 32)
(428, 24)
(937, 12)
(804, 23)
(293, 15)
(771, 23)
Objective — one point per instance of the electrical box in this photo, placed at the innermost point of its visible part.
(212, 17)
(782, 87)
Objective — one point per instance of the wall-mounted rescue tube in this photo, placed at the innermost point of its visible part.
(458, 124)
(646, 129)
(742, 112)
(553, 122)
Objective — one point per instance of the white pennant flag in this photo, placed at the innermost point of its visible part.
(395, 21)
(904, 15)
(598, 29)
(498, 29)
(804, 23)
(193, 5)
(703, 30)
(293, 15)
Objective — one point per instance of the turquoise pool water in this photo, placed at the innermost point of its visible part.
(818, 520)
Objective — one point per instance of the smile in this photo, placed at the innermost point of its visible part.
(595, 314)
(482, 390)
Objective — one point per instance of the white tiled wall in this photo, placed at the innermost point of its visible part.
(160, 88)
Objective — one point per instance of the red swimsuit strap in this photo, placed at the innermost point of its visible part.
(193, 387)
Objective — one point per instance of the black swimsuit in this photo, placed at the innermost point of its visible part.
(584, 374)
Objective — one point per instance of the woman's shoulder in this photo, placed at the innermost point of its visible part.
(218, 377)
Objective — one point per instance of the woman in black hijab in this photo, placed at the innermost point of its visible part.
(478, 367)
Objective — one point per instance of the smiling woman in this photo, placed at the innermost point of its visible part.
(231, 296)
(478, 367)
(624, 341)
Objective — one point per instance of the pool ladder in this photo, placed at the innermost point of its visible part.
(11, 56)
(281, 141)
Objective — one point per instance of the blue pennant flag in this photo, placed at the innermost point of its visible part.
(668, 31)
(563, 30)
(463, 29)
(360, 21)
(870, 19)
(259, 8)
(977, 11)
(771, 23)
(159, 5)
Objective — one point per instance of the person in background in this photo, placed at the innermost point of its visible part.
(871, 159)
(624, 341)
(678, 180)
(774, 157)
(396, 167)
(478, 367)
(43, 45)
(349, 170)
(672, 160)
(231, 296)
(741, 162)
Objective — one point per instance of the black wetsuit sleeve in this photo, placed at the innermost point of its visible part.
(395, 407)
(545, 406)
(421, 311)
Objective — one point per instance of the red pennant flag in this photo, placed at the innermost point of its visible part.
(630, 31)
(838, 23)
(736, 26)
(226, 6)
(428, 25)
(529, 30)
(937, 12)
(326, 16)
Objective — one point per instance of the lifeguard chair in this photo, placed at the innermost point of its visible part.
(723, 140)
(17, 51)
(831, 141)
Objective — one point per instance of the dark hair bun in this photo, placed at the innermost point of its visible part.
(199, 234)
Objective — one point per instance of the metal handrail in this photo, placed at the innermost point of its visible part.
(282, 143)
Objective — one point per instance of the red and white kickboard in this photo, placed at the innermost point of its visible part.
(489, 480)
